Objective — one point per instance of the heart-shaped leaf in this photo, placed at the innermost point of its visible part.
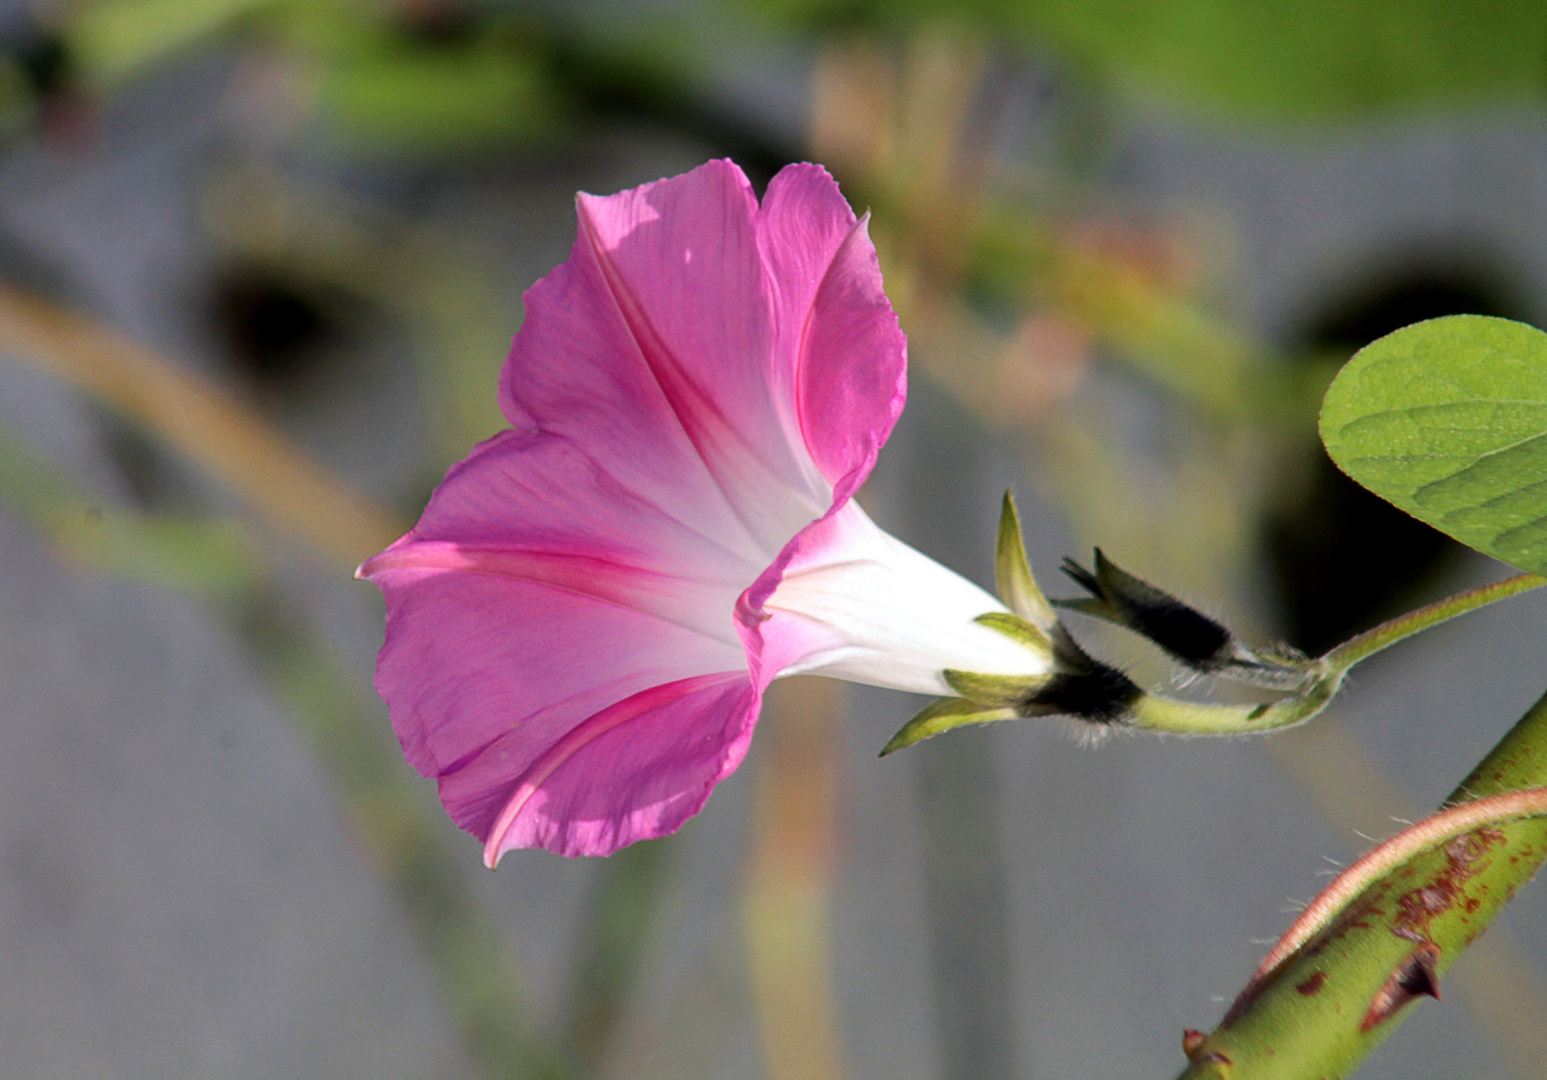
(1447, 419)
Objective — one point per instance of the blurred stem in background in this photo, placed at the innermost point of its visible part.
(281, 485)
(624, 905)
(787, 906)
(211, 557)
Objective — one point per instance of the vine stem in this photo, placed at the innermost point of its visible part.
(1156, 712)
(1333, 988)
(1388, 856)
(1394, 630)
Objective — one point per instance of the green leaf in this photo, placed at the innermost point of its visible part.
(1447, 419)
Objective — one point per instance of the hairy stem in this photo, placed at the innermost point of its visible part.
(1379, 861)
(1155, 712)
(1394, 630)
(1385, 932)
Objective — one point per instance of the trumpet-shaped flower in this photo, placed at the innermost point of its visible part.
(581, 626)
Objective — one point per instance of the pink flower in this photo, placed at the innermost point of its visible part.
(581, 626)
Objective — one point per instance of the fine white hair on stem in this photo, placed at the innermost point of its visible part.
(1385, 857)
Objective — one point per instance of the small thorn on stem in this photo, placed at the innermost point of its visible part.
(1416, 976)
(1194, 1045)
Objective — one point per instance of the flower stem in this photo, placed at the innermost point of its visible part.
(1324, 675)
(1388, 928)
(1156, 712)
(1394, 630)
(1379, 861)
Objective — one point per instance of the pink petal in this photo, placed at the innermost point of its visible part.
(633, 771)
(842, 339)
(469, 657)
(508, 634)
(499, 622)
(540, 492)
(652, 347)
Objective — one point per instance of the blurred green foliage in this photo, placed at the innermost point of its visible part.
(386, 85)
(110, 41)
(378, 77)
(1305, 61)
(413, 78)
(208, 556)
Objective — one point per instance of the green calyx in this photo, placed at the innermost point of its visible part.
(1077, 685)
(1008, 690)
(1085, 689)
(1192, 638)
(1012, 575)
(941, 716)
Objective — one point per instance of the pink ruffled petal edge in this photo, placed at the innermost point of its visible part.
(838, 333)
(669, 745)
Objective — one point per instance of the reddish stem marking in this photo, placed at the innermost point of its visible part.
(1381, 860)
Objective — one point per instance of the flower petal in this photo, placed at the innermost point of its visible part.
(839, 334)
(651, 347)
(469, 657)
(633, 771)
(541, 493)
(508, 633)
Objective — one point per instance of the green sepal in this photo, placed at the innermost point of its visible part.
(943, 715)
(1012, 571)
(1011, 690)
(1018, 629)
(1192, 638)
(1095, 608)
(1323, 677)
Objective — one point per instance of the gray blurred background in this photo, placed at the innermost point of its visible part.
(260, 261)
